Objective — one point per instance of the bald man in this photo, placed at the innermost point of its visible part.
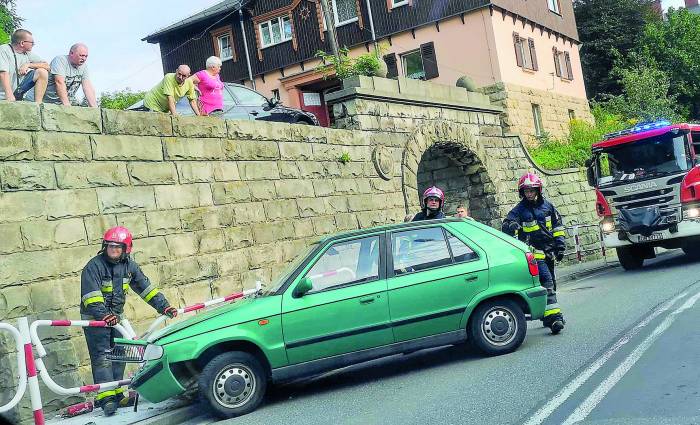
(172, 88)
(68, 74)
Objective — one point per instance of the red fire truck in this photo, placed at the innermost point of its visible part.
(647, 182)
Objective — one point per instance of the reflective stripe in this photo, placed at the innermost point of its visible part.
(540, 256)
(107, 289)
(559, 233)
(94, 300)
(548, 222)
(147, 291)
(551, 312)
(91, 294)
(125, 287)
(150, 295)
(104, 394)
(528, 229)
(119, 390)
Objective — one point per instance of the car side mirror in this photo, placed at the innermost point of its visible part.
(590, 172)
(304, 286)
(272, 102)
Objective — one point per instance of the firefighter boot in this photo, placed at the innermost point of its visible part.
(557, 324)
(126, 401)
(109, 406)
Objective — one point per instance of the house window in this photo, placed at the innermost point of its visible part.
(412, 63)
(562, 65)
(572, 114)
(525, 55)
(223, 44)
(554, 6)
(344, 11)
(276, 94)
(276, 31)
(537, 117)
(397, 3)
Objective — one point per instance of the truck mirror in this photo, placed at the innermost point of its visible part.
(588, 163)
(590, 176)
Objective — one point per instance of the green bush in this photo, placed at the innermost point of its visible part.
(344, 66)
(121, 99)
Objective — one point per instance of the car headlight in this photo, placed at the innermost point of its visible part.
(152, 352)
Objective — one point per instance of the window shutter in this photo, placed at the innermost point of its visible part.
(430, 66)
(518, 50)
(557, 65)
(392, 69)
(569, 71)
(531, 43)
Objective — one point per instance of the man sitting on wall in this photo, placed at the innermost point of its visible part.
(20, 69)
(173, 87)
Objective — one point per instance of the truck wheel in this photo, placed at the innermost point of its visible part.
(233, 384)
(497, 327)
(630, 258)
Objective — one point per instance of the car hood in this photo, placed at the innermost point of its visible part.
(230, 314)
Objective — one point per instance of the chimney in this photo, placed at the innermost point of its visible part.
(691, 3)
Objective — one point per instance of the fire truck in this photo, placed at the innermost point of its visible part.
(647, 183)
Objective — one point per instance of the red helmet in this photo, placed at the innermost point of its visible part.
(529, 181)
(120, 235)
(433, 192)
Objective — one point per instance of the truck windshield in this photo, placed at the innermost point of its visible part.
(644, 159)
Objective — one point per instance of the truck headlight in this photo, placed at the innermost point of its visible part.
(691, 213)
(152, 352)
(607, 226)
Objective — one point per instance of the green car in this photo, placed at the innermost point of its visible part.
(350, 298)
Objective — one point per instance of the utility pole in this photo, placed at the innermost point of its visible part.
(330, 26)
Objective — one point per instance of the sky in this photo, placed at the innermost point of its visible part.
(112, 31)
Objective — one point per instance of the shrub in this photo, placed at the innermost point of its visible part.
(368, 64)
(121, 99)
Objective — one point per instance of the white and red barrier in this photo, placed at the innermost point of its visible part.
(21, 366)
(579, 251)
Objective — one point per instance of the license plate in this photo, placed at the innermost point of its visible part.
(652, 237)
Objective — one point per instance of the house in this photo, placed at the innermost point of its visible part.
(692, 6)
(524, 54)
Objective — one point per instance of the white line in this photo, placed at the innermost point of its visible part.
(559, 399)
(585, 408)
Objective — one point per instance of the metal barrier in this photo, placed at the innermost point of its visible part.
(21, 367)
(578, 248)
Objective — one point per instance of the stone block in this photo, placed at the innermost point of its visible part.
(262, 190)
(260, 256)
(346, 222)
(289, 170)
(273, 232)
(11, 238)
(386, 85)
(238, 237)
(72, 175)
(281, 209)
(135, 222)
(27, 176)
(336, 204)
(246, 150)
(311, 207)
(211, 241)
(230, 192)
(32, 266)
(194, 292)
(311, 170)
(125, 199)
(348, 186)
(303, 228)
(294, 189)
(183, 196)
(193, 126)
(226, 171)
(178, 148)
(72, 119)
(226, 285)
(323, 187)
(411, 87)
(353, 169)
(324, 225)
(71, 203)
(232, 263)
(96, 226)
(150, 173)
(127, 148)
(15, 145)
(295, 151)
(62, 147)
(328, 152)
(250, 278)
(195, 172)
(248, 213)
(358, 81)
(361, 203)
(19, 116)
(189, 269)
(258, 170)
(163, 222)
(136, 123)
(15, 301)
(49, 295)
(37, 235)
(206, 218)
(183, 245)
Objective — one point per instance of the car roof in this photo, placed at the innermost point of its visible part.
(388, 227)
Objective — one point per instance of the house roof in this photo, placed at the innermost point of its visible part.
(221, 7)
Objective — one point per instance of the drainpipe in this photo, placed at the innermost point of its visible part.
(371, 26)
(245, 46)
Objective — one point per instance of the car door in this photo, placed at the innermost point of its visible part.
(232, 108)
(255, 104)
(347, 309)
(432, 276)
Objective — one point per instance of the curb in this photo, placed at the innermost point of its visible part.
(585, 273)
(173, 417)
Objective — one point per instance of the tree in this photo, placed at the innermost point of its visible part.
(609, 30)
(121, 99)
(9, 20)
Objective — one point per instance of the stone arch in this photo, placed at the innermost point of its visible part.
(452, 160)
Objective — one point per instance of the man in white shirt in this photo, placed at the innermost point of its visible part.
(69, 73)
(20, 69)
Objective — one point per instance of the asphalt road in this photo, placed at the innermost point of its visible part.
(630, 354)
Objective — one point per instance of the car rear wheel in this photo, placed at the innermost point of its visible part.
(630, 258)
(497, 327)
(233, 384)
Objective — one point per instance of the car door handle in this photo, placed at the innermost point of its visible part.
(471, 278)
(367, 300)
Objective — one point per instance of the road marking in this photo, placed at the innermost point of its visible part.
(545, 411)
(585, 408)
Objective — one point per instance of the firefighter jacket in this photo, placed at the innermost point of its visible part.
(104, 285)
(423, 215)
(539, 225)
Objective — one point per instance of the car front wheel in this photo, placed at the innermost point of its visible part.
(233, 384)
(497, 327)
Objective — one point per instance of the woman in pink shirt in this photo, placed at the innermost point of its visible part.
(208, 82)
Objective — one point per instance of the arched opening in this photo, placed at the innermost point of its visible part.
(460, 174)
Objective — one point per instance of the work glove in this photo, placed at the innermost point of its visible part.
(559, 255)
(111, 319)
(170, 311)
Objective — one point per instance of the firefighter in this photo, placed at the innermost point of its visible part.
(433, 202)
(104, 283)
(536, 222)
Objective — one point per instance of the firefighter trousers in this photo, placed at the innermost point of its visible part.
(552, 312)
(99, 340)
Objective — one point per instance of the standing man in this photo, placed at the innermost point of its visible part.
(104, 282)
(172, 88)
(433, 202)
(536, 222)
(68, 73)
(462, 211)
(20, 69)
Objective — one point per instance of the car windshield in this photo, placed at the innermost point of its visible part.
(645, 159)
(287, 271)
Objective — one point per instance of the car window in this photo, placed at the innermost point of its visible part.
(229, 100)
(248, 97)
(346, 263)
(460, 251)
(419, 249)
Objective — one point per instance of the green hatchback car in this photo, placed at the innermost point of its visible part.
(350, 298)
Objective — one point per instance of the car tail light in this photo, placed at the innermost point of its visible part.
(532, 264)
(690, 186)
(601, 205)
